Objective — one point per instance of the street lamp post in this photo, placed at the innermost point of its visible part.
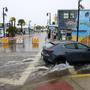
(29, 27)
(4, 14)
(49, 23)
(49, 14)
(79, 7)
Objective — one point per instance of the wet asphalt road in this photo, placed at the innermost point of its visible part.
(14, 61)
(16, 58)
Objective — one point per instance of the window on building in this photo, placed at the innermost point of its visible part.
(71, 15)
(66, 15)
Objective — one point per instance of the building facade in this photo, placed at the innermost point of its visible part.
(67, 23)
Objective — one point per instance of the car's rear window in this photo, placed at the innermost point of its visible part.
(48, 45)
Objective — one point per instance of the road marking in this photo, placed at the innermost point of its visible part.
(80, 75)
(25, 74)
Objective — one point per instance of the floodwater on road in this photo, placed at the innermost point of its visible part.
(24, 43)
(13, 62)
(17, 58)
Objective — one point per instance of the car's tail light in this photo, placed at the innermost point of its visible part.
(50, 50)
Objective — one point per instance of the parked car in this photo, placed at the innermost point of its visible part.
(66, 51)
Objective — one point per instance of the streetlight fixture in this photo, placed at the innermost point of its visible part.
(79, 7)
(4, 14)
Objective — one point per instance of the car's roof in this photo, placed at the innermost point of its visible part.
(63, 42)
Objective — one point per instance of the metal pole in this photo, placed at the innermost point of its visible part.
(3, 22)
(50, 24)
(49, 18)
(78, 19)
(29, 27)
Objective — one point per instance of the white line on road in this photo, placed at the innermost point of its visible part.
(24, 75)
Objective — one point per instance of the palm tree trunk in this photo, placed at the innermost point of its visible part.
(21, 28)
(14, 23)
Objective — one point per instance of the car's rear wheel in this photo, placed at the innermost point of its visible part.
(46, 61)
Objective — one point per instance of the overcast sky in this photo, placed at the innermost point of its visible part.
(35, 10)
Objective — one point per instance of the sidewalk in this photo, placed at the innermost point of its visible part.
(79, 82)
(62, 80)
(66, 83)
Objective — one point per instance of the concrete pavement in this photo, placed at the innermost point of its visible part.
(64, 83)
(80, 81)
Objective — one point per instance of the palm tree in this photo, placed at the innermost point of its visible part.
(11, 31)
(21, 22)
(13, 21)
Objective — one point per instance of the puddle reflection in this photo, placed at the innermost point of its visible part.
(26, 45)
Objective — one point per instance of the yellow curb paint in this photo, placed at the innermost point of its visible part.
(80, 75)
